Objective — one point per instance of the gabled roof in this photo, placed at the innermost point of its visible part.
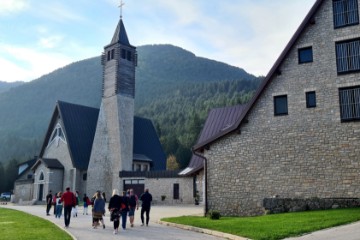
(29, 163)
(79, 129)
(120, 35)
(146, 143)
(50, 163)
(219, 119)
(309, 19)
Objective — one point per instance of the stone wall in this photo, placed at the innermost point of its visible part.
(305, 154)
(165, 186)
(23, 190)
(281, 205)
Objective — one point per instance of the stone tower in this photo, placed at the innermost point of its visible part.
(113, 142)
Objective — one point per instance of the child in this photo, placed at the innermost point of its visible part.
(86, 204)
(58, 205)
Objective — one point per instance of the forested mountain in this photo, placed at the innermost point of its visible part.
(174, 88)
(4, 86)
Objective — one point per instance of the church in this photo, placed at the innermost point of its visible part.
(89, 149)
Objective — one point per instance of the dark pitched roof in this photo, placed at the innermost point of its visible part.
(146, 143)
(80, 126)
(120, 35)
(219, 119)
(49, 163)
(309, 19)
(79, 129)
(29, 163)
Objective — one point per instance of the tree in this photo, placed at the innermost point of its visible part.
(171, 163)
(2, 178)
(11, 174)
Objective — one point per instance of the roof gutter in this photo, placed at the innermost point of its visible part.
(205, 169)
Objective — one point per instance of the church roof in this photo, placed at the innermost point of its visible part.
(146, 142)
(80, 126)
(28, 164)
(120, 35)
(49, 163)
(275, 70)
(218, 120)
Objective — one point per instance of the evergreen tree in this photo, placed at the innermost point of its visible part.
(11, 174)
(2, 178)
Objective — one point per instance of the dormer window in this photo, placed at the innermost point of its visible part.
(57, 135)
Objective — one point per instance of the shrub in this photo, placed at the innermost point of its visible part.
(214, 215)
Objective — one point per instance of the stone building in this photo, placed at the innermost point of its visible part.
(299, 136)
(89, 149)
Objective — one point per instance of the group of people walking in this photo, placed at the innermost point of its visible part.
(120, 207)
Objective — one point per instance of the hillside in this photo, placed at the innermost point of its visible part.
(171, 83)
(5, 86)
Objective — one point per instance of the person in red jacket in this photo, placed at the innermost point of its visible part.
(68, 200)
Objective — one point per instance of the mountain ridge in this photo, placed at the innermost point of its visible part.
(164, 75)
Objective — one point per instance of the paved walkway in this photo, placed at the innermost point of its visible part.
(81, 229)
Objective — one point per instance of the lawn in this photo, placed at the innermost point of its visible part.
(276, 226)
(19, 225)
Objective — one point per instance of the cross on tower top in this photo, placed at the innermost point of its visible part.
(121, 7)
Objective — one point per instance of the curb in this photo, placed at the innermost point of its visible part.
(202, 230)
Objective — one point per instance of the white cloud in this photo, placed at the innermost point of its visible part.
(50, 42)
(12, 6)
(57, 12)
(27, 64)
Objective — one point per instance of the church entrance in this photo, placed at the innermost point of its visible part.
(138, 185)
(41, 192)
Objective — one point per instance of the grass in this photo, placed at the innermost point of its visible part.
(19, 225)
(276, 226)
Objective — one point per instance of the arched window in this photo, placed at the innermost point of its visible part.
(41, 176)
(57, 135)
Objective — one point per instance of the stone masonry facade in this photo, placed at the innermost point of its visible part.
(164, 187)
(308, 153)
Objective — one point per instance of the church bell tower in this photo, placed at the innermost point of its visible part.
(112, 150)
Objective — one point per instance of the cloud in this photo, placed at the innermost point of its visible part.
(57, 12)
(20, 63)
(50, 42)
(11, 6)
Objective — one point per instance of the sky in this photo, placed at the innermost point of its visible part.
(40, 36)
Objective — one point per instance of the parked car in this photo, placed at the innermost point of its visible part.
(5, 196)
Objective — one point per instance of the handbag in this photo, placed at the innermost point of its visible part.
(115, 215)
(97, 214)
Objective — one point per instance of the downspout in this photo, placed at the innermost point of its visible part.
(205, 169)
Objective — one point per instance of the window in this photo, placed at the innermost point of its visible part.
(138, 167)
(349, 103)
(310, 99)
(305, 55)
(128, 56)
(57, 135)
(280, 105)
(348, 56)
(84, 176)
(112, 53)
(176, 191)
(41, 176)
(345, 13)
(108, 55)
(123, 53)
